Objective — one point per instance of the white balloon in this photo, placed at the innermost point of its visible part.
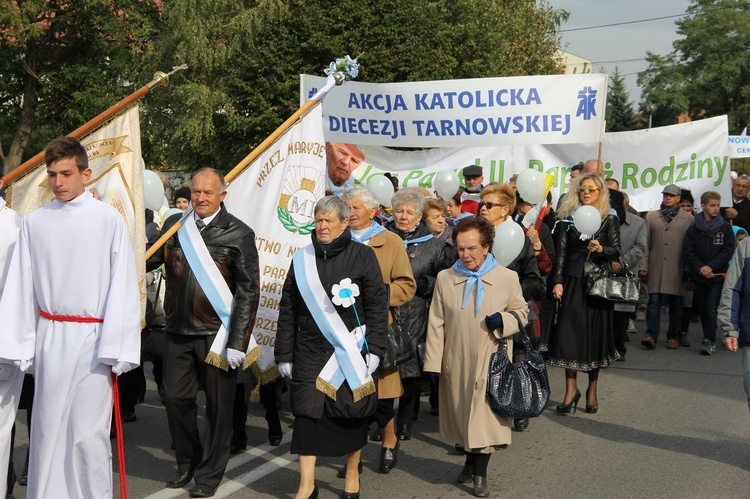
(381, 188)
(587, 220)
(173, 211)
(446, 184)
(531, 185)
(509, 239)
(164, 204)
(153, 190)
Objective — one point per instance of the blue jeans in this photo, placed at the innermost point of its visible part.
(746, 371)
(707, 296)
(653, 315)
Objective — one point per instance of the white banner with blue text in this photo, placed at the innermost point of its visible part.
(556, 109)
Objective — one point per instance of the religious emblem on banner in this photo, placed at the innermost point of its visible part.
(298, 198)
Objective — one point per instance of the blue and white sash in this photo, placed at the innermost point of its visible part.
(346, 363)
(373, 231)
(216, 290)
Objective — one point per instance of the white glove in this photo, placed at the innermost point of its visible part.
(122, 367)
(235, 358)
(24, 365)
(373, 361)
(285, 369)
(7, 371)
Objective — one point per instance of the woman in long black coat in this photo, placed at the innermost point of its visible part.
(331, 421)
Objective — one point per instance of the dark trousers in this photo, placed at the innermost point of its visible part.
(184, 371)
(653, 315)
(620, 331)
(132, 386)
(406, 402)
(25, 402)
(708, 296)
(239, 412)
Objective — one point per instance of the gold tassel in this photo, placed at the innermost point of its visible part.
(263, 378)
(325, 387)
(251, 357)
(216, 360)
(363, 391)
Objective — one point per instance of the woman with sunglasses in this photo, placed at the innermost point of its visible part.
(582, 339)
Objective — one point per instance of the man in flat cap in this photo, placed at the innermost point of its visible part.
(663, 266)
(473, 178)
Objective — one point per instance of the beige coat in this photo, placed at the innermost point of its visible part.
(664, 258)
(397, 275)
(459, 348)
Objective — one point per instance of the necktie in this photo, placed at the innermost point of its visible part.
(201, 224)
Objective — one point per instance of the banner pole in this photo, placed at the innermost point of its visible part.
(160, 79)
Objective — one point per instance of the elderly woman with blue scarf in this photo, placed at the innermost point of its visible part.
(469, 316)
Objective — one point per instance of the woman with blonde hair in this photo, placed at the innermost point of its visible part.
(582, 339)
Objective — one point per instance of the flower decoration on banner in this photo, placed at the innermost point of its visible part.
(344, 293)
(344, 68)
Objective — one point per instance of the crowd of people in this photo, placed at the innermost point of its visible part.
(423, 265)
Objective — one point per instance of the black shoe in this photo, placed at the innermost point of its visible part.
(467, 474)
(179, 479)
(480, 487)
(274, 440)
(314, 493)
(388, 458)
(459, 449)
(683, 339)
(404, 432)
(434, 411)
(202, 491)
(350, 495)
(591, 409)
(376, 435)
(237, 447)
(23, 480)
(520, 424)
(129, 417)
(572, 406)
(342, 472)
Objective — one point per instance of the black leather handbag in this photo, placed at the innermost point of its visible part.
(607, 285)
(518, 390)
(398, 346)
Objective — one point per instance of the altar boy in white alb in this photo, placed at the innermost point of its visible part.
(11, 379)
(71, 312)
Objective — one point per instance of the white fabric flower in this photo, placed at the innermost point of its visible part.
(344, 293)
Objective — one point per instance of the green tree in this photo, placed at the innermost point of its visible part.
(62, 63)
(707, 73)
(234, 106)
(619, 107)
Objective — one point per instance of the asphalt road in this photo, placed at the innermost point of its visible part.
(671, 423)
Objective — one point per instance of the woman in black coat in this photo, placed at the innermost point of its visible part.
(428, 255)
(583, 339)
(331, 420)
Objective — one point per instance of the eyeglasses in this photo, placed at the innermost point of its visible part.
(590, 188)
(492, 205)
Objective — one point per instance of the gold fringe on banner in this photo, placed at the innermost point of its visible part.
(216, 360)
(250, 358)
(363, 391)
(263, 379)
(325, 387)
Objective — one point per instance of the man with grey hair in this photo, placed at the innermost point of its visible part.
(203, 346)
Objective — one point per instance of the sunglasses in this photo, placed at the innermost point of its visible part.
(584, 188)
(492, 205)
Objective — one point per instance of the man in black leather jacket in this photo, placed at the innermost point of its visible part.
(191, 325)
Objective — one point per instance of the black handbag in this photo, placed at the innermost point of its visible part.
(604, 284)
(517, 390)
(398, 346)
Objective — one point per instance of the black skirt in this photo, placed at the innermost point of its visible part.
(582, 339)
(328, 437)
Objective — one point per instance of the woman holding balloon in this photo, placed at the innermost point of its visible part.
(582, 339)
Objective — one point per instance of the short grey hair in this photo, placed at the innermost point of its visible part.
(332, 204)
(219, 175)
(367, 197)
(409, 196)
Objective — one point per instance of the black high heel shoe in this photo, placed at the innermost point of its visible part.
(351, 495)
(591, 409)
(314, 494)
(573, 405)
